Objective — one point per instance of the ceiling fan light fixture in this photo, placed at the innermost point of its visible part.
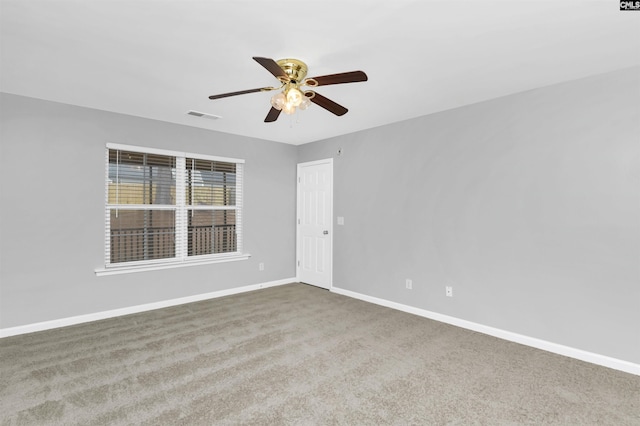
(278, 100)
(294, 96)
(289, 99)
(288, 109)
(305, 103)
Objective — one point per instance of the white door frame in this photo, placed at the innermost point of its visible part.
(298, 211)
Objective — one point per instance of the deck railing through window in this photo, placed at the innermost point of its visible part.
(134, 244)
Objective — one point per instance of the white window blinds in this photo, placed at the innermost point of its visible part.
(212, 206)
(164, 206)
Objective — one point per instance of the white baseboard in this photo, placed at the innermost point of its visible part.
(580, 354)
(63, 322)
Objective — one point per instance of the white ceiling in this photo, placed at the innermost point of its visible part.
(159, 59)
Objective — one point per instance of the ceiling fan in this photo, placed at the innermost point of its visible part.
(291, 73)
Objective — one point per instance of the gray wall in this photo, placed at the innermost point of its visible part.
(528, 205)
(51, 211)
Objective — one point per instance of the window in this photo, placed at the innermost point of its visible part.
(167, 208)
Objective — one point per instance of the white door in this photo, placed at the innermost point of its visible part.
(315, 233)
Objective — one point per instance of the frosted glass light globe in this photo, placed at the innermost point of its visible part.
(288, 108)
(305, 103)
(294, 97)
(278, 101)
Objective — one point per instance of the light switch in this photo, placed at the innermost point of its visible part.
(340, 220)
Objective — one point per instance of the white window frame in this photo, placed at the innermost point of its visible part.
(181, 258)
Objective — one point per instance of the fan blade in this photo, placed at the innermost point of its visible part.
(272, 66)
(328, 104)
(344, 77)
(243, 92)
(272, 115)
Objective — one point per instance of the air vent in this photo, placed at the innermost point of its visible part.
(203, 115)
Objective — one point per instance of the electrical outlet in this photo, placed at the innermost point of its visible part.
(449, 291)
(261, 266)
(409, 284)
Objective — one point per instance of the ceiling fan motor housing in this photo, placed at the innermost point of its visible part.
(295, 69)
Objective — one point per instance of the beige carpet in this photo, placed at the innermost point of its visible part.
(297, 355)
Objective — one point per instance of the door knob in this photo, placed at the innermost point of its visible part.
(325, 232)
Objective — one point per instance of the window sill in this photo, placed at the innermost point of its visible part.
(115, 270)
